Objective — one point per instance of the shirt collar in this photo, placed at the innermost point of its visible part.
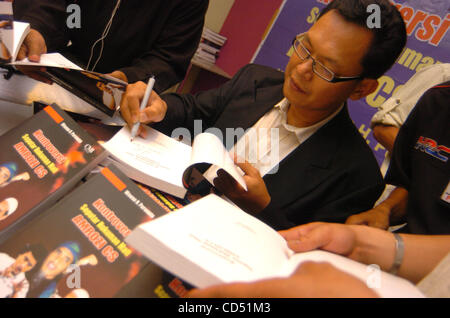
(302, 132)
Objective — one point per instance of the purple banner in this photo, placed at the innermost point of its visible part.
(427, 22)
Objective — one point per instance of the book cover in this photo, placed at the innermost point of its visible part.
(153, 281)
(42, 159)
(81, 251)
(99, 90)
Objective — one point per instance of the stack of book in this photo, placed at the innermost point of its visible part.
(209, 48)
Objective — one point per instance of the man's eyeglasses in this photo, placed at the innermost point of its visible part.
(318, 68)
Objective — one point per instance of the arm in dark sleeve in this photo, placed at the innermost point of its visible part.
(46, 16)
(171, 54)
(207, 106)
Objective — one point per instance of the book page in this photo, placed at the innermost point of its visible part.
(21, 30)
(218, 237)
(207, 148)
(157, 155)
(50, 60)
(384, 284)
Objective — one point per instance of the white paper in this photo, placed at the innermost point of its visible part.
(208, 148)
(50, 60)
(21, 30)
(225, 247)
(157, 156)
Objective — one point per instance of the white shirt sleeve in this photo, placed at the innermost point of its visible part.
(396, 109)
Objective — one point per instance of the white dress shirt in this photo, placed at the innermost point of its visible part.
(272, 139)
(396, 109)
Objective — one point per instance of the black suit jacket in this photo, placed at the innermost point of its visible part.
(328, 177)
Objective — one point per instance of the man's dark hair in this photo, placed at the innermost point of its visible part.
(39, 251)
(389, 39)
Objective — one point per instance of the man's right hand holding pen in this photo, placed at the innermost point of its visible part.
(155, 110)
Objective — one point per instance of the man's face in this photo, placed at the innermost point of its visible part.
(4, 207)
(24, 262)
(4, 174)
(57, 262)
(340, 46)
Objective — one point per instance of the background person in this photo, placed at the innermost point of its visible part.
(419, 169)
(141, 38)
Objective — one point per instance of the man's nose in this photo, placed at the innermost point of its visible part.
(304, 68)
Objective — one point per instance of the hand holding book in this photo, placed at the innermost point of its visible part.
(252, 200)
(130, 107)
(32, 48)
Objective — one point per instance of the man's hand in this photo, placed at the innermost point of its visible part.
(252, 201)
(130, 106)
(119, 75)
(377, 217)
(310, 280)
(32, 48)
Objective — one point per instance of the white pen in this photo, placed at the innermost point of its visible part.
(148, 92)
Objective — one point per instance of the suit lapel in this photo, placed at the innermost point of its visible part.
(309, 165)
(245, 111)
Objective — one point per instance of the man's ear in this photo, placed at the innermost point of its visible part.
(364, 88)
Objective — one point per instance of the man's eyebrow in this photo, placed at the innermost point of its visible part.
(322, 57)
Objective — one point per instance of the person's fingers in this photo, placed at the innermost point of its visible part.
(142, 132)
(155, 111)
(130, 104)
(22, 52)
(35, 46)
(357, 219)
(318, 237)
(119, 75)
(125, 110)
(248, 168)
(298, 231)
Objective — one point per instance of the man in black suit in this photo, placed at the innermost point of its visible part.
(325, 170)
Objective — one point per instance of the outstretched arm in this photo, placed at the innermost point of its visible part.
(371, 246)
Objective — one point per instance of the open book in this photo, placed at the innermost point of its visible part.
(169, 165)
(210, 241)
(100, 90)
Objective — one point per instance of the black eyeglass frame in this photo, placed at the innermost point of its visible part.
(334, 79)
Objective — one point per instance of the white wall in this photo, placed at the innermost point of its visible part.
(217, 13)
